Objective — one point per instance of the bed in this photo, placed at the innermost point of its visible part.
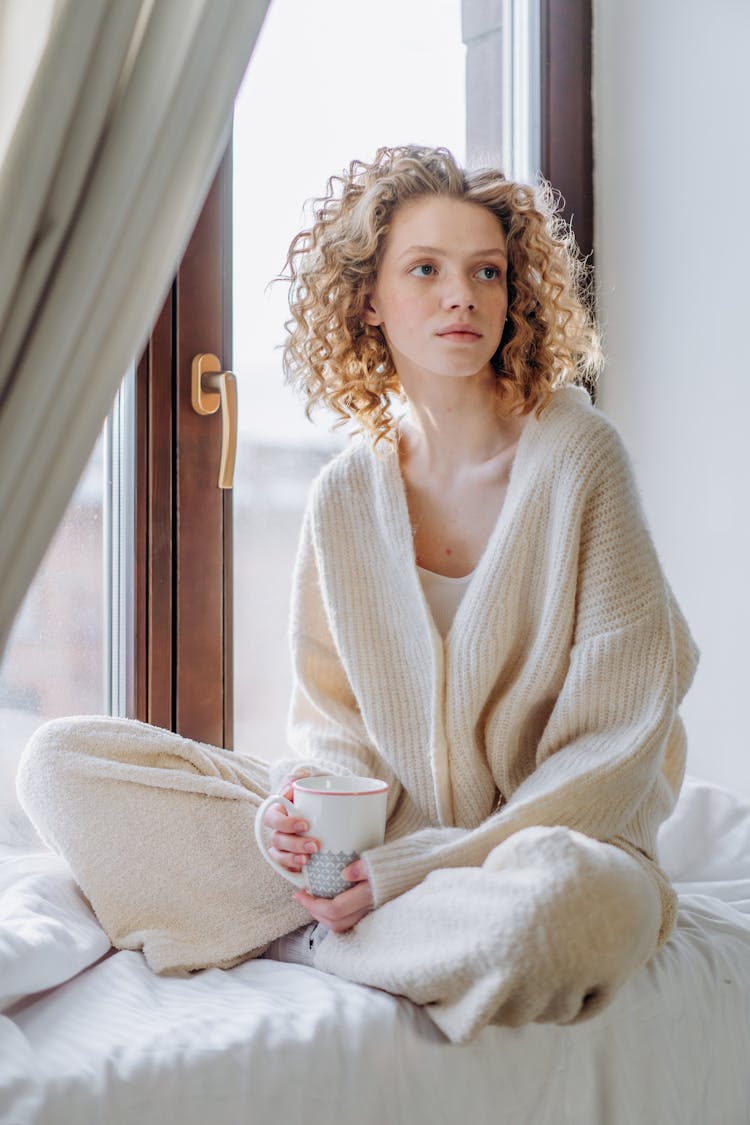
(89, 1034)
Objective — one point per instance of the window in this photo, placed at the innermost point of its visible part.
(186, 659)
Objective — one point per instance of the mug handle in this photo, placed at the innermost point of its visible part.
(276, 799)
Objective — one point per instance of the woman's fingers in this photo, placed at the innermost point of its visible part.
(293, 861)
(295, 842)
(285, 788)
(343, 924)
(285, 843)
(289, 845)
(342, 912)
(277, 818)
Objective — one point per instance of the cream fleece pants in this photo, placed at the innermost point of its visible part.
(158, 832)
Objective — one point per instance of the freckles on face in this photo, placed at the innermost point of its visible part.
(441, 295)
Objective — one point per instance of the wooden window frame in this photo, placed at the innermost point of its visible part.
(563, 98)
(183, 575)
(566, 123)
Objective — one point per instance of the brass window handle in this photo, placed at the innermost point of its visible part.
(212, 389)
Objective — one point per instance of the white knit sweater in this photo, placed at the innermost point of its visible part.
(552, 701)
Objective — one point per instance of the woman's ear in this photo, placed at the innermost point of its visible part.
(370, 314)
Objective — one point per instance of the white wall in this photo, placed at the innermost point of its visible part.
(672, 168)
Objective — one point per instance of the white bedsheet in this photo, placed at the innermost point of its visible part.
(91, 1035)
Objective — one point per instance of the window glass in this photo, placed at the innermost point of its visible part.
(54, 661)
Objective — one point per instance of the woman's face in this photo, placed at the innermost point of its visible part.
(441, 295)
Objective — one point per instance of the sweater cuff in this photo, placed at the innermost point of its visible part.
(396, 867)
(669, 900)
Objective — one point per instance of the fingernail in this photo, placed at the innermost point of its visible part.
(311, 846)
(300, 826)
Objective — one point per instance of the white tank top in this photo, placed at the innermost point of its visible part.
(443, 596)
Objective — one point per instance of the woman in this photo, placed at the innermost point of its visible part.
(479, 617)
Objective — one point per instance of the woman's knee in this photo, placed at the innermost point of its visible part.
(606, 888)
(51, 756)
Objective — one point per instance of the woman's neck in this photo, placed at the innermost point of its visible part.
(456, 426)
(456, 456)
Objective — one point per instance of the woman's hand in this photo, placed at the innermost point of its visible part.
(289, 845)
(346, 909)
(292, 849)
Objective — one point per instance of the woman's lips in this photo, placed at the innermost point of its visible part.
(459, 332)
(462, 335)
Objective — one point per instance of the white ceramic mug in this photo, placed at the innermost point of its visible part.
(346, 815)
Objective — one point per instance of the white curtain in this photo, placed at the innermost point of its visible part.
(24, 30)
(103, 179)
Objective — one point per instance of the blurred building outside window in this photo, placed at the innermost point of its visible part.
(54, 662)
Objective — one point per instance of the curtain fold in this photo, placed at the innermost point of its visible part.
(104, 179)
(24, 31)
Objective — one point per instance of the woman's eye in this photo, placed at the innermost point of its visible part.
(489, 273)
(424, 269)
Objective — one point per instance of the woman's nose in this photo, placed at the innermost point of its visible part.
(457, 293)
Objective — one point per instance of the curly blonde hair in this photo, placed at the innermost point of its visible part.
(336, 360)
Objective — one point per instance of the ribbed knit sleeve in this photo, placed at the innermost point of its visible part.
(325, 731)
